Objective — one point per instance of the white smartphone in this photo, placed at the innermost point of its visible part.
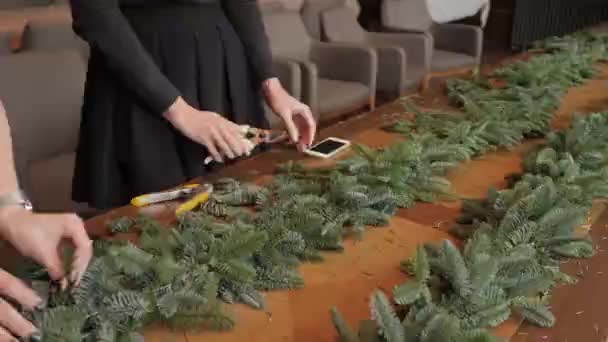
(328, 148)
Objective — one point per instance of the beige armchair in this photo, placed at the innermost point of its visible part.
(456, 46)
(42, 93)
(53, 35)
(336, 78)
(404, 59)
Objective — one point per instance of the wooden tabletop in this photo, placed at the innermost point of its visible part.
(346, 280)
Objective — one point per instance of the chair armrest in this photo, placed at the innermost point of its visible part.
(392, 68)
(290, 75)
(417, 46)
(309, 76)
(310, 87)
(346, 62)
(459, 38)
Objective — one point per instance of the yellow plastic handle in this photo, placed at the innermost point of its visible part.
(192, 203)
(162, 196)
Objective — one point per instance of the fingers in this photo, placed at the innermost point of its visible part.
(236, 143)
(75, 232)
(224, 139)
(218, 139)
(51, 261)
(290, 125)
(311, 125)
(14, 288)
(6, 336)
(215, 154)
(14, 322)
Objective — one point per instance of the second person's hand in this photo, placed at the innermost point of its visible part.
(220, 136)
(296, 116)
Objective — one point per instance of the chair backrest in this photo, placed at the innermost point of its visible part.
(53, 35)
(340, 25)
(17, 4)
(42, 93)
(293, 5)
(406, 15)
(5, 43)
(286, 32)
(311, 15)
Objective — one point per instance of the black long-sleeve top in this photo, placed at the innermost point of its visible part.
(102, 24)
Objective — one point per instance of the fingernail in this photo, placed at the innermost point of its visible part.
(41, 306)
(74, 276)
(35, 337)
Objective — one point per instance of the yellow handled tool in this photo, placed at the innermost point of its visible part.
(192, 203)
(164, 196)
(197, 194)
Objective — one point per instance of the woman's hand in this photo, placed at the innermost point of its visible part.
(38, 236)
(220, 136)
(297, 116)
(11, 322)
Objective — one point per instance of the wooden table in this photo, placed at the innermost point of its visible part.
(346, 280)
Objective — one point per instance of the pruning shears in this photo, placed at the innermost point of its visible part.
(257, 136)
(196, 194)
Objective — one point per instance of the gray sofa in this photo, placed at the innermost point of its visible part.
(5, 43)
(53, 35)
(42, 92)
(345, 75)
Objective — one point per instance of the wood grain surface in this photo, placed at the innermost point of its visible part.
(346, 280)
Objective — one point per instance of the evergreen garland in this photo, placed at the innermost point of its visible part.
(515, 238)
(248, 238)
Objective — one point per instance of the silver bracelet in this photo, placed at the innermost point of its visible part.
(17, 198)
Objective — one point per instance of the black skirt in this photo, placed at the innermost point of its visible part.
(124, 150)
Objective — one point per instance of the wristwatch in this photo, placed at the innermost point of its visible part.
(17, 198)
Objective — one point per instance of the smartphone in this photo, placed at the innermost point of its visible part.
(328, 148)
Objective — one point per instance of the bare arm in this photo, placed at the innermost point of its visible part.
(8, 176)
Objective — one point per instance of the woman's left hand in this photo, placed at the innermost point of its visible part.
(38, 236)
(296, 116)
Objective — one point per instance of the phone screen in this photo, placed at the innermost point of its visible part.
(327, 146)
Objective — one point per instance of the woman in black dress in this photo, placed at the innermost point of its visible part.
(168, 82)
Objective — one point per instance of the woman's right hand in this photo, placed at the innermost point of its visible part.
(220, 136)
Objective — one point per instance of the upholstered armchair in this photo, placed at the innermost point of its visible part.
(44, 117)
(336, 78)
(404, 59)
(5, 43)
(290, 75)
(455, 46)
(53, 35)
